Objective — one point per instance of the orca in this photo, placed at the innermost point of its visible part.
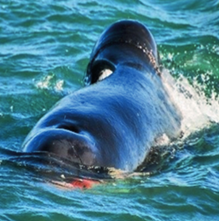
(121, 112)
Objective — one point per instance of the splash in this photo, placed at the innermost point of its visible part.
(50, 82)
(197, 110)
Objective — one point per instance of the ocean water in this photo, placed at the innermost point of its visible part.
(44, 49)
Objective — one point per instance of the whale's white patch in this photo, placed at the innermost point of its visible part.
(105, 73)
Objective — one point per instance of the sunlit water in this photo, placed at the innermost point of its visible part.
(45, 47)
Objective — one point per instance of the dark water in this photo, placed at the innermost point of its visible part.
(44, 50)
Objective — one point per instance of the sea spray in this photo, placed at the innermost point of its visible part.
(197, 110)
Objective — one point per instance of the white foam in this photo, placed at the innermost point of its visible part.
(197, 111)
(50, 82)
(44, 83)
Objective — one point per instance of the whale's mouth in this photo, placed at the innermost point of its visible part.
(46, 162)
(57, 170)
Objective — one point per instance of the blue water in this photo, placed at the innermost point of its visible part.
(45, 47)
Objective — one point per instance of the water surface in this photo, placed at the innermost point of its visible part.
(45, 47)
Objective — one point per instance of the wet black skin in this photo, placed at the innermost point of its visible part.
(115, 121)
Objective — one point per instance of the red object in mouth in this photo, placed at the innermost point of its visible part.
(84, 183)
